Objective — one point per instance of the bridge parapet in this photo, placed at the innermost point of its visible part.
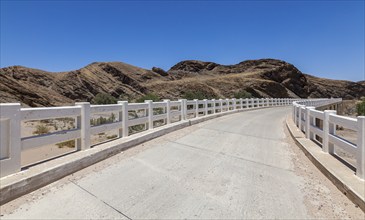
(126, 116)
(320, 127)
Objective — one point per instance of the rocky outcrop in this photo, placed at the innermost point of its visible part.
(159, 71)
(262, 78)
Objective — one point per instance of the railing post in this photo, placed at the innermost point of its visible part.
(10, 142)
(246, 103)
(294, 114)
(221, 104)
(123, 116)
(213, 100)
(241, 103)
(83, 123)
(360, 160)
(183, 109)
(205, 106)
(168, 111)
(326, 146)
(300, 117)
(308, 122)
(150, 114)
(234, 103)
(120, 116)
(297, 115)
(227, 104)
(196, 107)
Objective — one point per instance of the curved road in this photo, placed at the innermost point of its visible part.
(238, 166)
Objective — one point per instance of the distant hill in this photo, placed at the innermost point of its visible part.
(262, 78)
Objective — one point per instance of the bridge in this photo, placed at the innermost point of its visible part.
(231, 158)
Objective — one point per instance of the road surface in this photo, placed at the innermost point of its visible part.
(239, 166)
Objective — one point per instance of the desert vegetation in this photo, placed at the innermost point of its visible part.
(103, 99)
(242, 94)
(41, 129)
(102, 120)
(360, 107)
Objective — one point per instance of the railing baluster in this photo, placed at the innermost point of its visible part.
(360, 157)
(83, 123)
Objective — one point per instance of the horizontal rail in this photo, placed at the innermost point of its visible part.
(190, 111)
(159, 117)
(105, 108)
(342, 143)
(137, 106)
(159, 104)
(345, 122)
(316, 131)
(105, 127)
(175, 103)
(137, 121)
(47, 113)
(317, 114)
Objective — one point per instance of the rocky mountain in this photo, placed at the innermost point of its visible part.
(262, 78)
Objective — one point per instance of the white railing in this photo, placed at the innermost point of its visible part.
(12, 115)
(320, 126)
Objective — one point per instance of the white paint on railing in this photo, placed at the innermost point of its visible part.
(305, 115)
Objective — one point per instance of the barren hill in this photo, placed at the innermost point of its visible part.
(262, 78)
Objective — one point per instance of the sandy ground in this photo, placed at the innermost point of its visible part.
(350, 136)
(322, 199)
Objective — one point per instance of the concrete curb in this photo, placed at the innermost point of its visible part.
(26, 181)
(340, 175)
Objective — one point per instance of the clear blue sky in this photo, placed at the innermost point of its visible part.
(322, 38)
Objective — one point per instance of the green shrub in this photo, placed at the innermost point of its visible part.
(360, 108)
(191, 95)
(41, 129)
(242, 94)
(103, 99)
(149, 96)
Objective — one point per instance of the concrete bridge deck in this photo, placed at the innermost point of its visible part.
(239, 166)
